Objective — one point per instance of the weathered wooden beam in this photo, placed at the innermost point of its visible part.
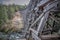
(42, 22)
(33, 31)
(53, 18)
(44, 3)
(55, 10)
(35, 37)
(50, 6)
(50, 36)
(48, 29)
(46, 32)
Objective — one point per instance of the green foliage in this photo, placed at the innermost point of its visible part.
(7, 12)
(3, 15)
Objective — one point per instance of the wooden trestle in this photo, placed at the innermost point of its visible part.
(43, 11)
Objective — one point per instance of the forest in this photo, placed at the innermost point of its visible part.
(6, 14)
